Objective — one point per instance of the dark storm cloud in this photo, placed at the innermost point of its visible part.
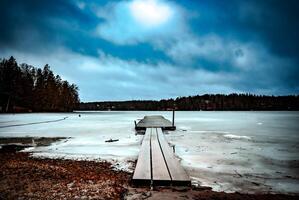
(208, 46)
(270, 23)
(276, 22)
(35, 25)
(273, 22)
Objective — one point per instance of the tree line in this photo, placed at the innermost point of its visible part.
(25, 88)
(203, 102)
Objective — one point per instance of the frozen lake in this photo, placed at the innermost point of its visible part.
(229, 151)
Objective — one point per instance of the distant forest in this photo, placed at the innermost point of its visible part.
(24, 88)
(203, 102)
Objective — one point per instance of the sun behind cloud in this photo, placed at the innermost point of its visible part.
(150, 13)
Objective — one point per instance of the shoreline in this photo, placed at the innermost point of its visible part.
(24, 177)
(136, 110)
(27, 177)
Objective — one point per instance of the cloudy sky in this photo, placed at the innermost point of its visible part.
(153, 49)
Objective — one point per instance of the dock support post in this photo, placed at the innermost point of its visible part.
(173, 117)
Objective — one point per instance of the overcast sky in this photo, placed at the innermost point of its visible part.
(153, 49)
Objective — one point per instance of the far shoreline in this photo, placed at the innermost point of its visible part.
(86, 111)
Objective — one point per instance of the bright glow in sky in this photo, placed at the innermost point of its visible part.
(150, 13)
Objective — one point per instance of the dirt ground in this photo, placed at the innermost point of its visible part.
(197, 193)
(23, 177)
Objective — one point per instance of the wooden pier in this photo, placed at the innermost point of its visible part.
(157, 165)
(154, 121)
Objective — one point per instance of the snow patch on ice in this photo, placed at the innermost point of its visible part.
(117, 163)
(124, 165)
(231, 136)
(215, 186)
(92, 148)
(209, 131)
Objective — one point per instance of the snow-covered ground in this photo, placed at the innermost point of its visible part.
(229, 151)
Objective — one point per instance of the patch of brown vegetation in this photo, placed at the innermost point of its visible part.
(23, 177)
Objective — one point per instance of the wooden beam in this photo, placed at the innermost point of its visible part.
(157, 164)
(177, 172)
(142, 173)
(160, 171)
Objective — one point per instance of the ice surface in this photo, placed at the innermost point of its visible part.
(229, 151)
(231, 136)
(88, 135)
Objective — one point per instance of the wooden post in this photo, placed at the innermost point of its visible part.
(7, 105)
(173, 117)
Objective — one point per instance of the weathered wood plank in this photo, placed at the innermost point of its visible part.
(159, 168)
(157, 163)
(155, 121)
(178, 174)
(142, 173)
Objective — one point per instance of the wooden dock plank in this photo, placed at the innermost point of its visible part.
(157, 164)
(142, 173)
(178, 174)
(154, 121)
(159, 168)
